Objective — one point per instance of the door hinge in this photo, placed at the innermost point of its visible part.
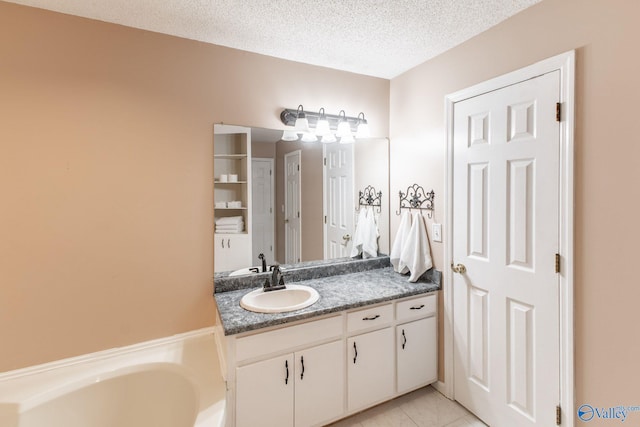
(270, 210)
(298, 168)
(558, 112)
(324, 161)
(270, 171)
(557, 263)
(558, 415)
(325, 219)
(298, 214)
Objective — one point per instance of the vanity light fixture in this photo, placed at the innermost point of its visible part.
(289, 135)
(322, 125)
(309, 137)
(328, 138)
(363, 127)
(343, 125)
(303, 122)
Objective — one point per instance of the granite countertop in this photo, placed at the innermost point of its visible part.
(337, 293)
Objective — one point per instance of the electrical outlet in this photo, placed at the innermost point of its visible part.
(436, 231)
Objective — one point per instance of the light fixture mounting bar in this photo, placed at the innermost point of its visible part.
(288, 117)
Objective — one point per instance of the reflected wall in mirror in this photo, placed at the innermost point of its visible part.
(290, 199)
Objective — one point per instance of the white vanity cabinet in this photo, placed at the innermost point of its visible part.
(291, 376)
(232, 251)
(304, 388)
(264, 393)
(317, 371)
(319, 384)
(370, 366)
(416, 352)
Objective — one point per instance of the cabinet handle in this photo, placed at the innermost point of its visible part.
(417, 307)
(355, 349)
(371, 318)
(286, 366)
(302, 363)
(404, 339)
(222, 243)
(229, 243)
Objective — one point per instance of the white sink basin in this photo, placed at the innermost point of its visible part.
(248, 270)
(244, 271)
(294, 297)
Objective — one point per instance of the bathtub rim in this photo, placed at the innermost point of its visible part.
(21, 385)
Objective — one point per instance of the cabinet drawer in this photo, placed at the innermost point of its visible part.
(265, 343)
(369, 317)
(416, 307)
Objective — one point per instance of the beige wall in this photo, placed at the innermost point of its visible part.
(605, 35)
(371, 167)
(106, 174)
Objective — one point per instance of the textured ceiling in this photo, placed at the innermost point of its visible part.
(381, 38)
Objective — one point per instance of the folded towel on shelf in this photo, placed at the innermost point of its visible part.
(233, 220)
(238, 227)
(365, 238)
(235, 204)
(416, 254)
(398, 244)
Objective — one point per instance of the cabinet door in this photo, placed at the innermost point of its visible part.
(232, 252)
(417, 356)
(370, 368)
(264, 393)
(319, 384)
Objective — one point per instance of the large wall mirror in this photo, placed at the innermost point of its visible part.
(303, 198)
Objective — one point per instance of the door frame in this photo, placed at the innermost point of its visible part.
(273, 197)
(565, 63)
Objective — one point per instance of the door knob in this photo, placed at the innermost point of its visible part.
(286, 221)
(346, 237)
(459, 268)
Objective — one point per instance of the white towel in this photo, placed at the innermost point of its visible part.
(365, 238)
(229, 220)
(416, 254)
(398, 244)
(239, 227)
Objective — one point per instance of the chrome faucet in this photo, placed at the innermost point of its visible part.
(277, 280)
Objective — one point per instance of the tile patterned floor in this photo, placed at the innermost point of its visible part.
(422, 408)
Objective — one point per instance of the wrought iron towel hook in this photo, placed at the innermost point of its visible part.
(416, 198)
(369, 197)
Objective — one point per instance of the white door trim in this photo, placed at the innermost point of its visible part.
(565, 63)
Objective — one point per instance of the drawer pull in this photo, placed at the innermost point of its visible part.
(417, 307)
(286, 366)
(404, 339)
(355, 349)
(371, 318)
(302, 363)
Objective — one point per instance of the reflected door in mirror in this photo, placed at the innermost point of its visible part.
(339, 203)
(262, 194)
(293, 238)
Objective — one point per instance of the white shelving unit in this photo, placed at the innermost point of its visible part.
(232, 156)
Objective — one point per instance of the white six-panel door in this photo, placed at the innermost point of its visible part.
(262, 214)
(293, 207)
(339, 200)
(506, 234)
